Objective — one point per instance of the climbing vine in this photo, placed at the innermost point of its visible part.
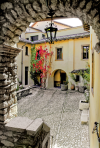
(40, 63)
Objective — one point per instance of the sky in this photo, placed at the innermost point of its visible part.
(70, 21)
(74, 22)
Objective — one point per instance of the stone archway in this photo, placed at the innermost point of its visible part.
(16, 15)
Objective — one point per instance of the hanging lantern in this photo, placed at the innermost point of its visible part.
(51, 30)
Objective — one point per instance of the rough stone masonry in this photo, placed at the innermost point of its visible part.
(8, 83)
(15, 16)
(20, 132)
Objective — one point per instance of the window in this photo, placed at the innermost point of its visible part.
(43, 36)
(27, 38)
(85, 52)
(34, 38)
(59, 53)
(26, 51)
(26, 75)
(77, 78)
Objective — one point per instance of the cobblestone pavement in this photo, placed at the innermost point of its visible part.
(60, 110)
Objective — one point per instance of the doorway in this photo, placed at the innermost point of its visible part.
(63, 77)
(26, 75)
(59, 77)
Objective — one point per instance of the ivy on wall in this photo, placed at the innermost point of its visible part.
(32, 70)
(33, 53)
(40, 63)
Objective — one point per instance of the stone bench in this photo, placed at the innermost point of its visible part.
(23, 92)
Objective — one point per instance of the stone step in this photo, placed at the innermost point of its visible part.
(85, 117)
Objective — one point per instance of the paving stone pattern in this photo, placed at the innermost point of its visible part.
(60, 110)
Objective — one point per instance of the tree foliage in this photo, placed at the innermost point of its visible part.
(72, 76)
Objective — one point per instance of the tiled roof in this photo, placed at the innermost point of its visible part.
(24, 40)
(62, 24)
(35, 29)
(74, 36)
(59, 38)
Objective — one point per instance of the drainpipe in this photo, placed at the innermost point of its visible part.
(22, 65)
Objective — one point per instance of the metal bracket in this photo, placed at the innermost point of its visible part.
(95, 129)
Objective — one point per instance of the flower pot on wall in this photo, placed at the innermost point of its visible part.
(64, 87)
(72, 87)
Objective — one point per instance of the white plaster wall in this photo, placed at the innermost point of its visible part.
(95, 94)
(41, 25)
(69, 31)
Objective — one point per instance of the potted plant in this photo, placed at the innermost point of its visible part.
(86, 76)
(64, 86)
(76, 86)
(84, 104)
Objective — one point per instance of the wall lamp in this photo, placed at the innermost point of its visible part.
(95, 129)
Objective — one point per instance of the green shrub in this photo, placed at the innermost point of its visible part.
(72, 76)
(86, 76)
(17, 88)
(21, 87)
(66, 82)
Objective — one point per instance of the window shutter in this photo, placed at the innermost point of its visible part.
(26, 52)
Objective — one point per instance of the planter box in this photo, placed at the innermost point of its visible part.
(64, 87)
(85, 117)
(83, 105)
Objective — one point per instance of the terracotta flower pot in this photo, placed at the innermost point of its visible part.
(72, 87)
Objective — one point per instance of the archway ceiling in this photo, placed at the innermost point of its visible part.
(16, 15)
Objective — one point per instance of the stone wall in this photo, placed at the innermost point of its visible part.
(19, 132)
(8, 83)
(22, 132)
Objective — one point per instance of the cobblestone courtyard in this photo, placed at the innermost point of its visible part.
(60, 110)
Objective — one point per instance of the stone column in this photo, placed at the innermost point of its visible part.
(8, 83)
